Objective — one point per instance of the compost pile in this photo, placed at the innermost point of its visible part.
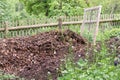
(38, 56)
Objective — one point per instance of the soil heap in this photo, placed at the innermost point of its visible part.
(36, 56)
(114, 44)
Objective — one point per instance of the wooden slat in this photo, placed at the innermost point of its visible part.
(92, 8)
(31, 26)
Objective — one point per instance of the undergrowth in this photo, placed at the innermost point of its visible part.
(99, 67)
(108, 33)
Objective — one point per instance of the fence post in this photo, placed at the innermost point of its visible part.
(6, 29)
(60, 23)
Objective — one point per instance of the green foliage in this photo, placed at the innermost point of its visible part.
(88, 35)
(19, 9)
(4, 76)
(108, 6)
(113, 32)
(12, 10)
(111, 6)
(108, 33)
(4, 10)
(36, 6)
(68, 7)
(55, 7)
(101, 68)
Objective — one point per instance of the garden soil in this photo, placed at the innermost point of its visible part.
(113, 45)
(39, 56)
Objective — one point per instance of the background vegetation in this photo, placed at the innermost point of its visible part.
(18, 9)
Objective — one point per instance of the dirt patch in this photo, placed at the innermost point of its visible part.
(113, 44)
(36, 56)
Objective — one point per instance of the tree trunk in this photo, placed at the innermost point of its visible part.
(47, 10)
(60, 7)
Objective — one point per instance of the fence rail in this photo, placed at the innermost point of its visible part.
(5, 27)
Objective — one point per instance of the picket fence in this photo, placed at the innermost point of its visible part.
(32, 26)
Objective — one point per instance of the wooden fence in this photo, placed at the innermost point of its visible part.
(32, 26)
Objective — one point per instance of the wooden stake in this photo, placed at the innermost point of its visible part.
(60, 23)
(6, 29)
